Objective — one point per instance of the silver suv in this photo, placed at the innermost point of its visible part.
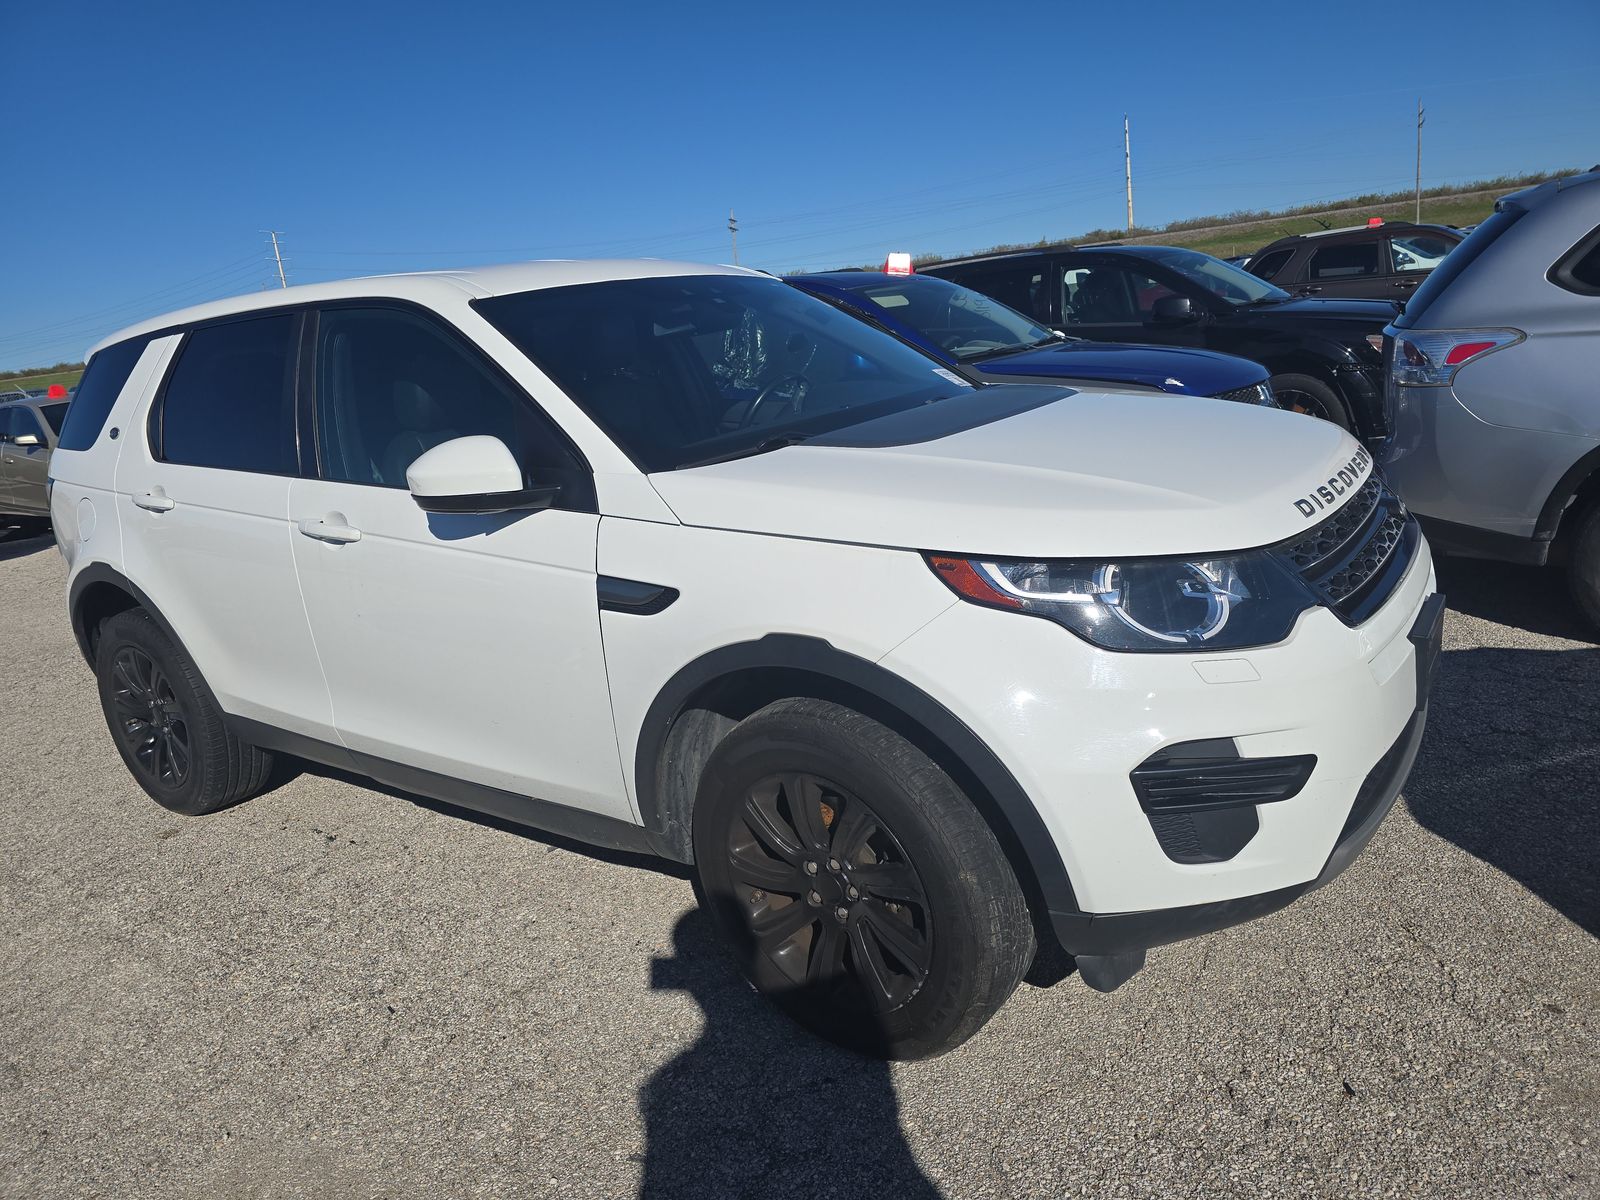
(1492, 391)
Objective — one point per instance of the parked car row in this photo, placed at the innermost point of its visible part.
(914, 654)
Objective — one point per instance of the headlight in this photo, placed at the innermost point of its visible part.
(1224, 603)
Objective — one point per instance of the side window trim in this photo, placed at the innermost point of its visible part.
(311, 408)
(1563, 272)
(155, 421)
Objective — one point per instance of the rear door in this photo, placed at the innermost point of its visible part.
(203, 494)
(464, 646)
(1346, 268)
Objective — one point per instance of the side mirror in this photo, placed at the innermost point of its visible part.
(473, 476)
(1172, 310)
(26, 439)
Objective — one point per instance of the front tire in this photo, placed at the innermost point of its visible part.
(864, 893)
(166, 723)
(1305, 394)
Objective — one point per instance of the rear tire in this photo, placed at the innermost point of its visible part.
(875, 908)
(1305, 394)
(1583, 564)
(166, 723)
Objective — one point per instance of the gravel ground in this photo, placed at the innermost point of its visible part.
(334, 991)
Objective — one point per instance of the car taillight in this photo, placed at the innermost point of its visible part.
(1431, 357)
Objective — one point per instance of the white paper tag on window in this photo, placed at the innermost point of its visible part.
(951, 376)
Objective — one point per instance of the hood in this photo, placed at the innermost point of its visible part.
(1088, 474)
(1165, 368)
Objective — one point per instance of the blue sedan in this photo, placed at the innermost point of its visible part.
(985, 341)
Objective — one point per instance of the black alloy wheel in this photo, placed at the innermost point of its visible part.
(151, 721)
(165, 720)
(829, 896)
(858, 886)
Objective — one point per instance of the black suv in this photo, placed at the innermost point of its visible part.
(1325, 356)
(1379, 262)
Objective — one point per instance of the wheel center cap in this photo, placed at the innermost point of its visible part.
(827, 885)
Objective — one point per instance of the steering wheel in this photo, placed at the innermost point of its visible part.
(767, 393)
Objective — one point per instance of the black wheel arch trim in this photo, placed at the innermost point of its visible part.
(796, 652)
(100, 572)
(1565, 490)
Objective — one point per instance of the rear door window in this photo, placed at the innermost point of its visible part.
(229, 402)
(102, 383)
(1019, 287)
(1415, 252)
(55, 414)
(1353, 260)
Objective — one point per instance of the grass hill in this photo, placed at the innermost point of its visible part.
(1244, 232)
(66, 374)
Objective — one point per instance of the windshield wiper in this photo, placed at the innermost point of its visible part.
(995, 352)
(776, 442)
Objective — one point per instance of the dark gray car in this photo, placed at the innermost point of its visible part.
(28, 433)
(1493, 396)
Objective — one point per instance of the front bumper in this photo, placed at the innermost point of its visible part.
(1123, 937)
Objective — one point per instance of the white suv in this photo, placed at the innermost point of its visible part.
(970, 667)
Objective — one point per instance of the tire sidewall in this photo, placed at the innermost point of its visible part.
(940, 1005)
(1338, 414)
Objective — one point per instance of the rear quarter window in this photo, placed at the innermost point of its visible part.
(1268, 265)
(102, 382)
(1578, 270)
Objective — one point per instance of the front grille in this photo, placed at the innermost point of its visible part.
(1354, 558)
(1256, 393)
(1323, 542)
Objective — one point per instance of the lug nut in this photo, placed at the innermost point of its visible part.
(842, 913)
(814, 897)
(811, 867)
(757, 896)
(833, 864)
(853, 892)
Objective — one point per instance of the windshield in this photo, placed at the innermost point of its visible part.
(968, 324)
(690, 369)
(1223, 280)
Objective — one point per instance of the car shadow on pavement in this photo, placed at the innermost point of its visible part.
(1531, 598)
(1510, 769)
(758, 1107)
(18, 543)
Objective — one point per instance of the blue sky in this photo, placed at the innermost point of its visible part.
(152, 143)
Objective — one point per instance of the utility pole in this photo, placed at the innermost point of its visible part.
(1419, 159)
(277, 254)
(1127, 168)
(733, 232)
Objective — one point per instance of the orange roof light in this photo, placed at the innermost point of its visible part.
(56, 391)
(1371, 221)
(897, 264)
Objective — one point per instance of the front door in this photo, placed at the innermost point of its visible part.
(464, 646)
(1114, 301)
(27, 464)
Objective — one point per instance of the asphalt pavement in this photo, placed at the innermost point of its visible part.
(334, 990)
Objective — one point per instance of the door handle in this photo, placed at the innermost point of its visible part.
(331, 528)
(155, 500)
(1309, 291)
(1406, 283)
